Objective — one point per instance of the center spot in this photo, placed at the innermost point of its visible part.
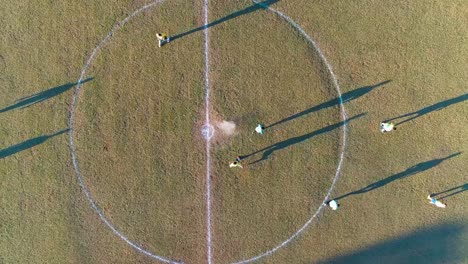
(207, 131)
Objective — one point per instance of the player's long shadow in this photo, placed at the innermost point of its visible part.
(454, 190)
(250, 9)
(427, 110)
(346, 97)
(286, 143)
(39, 97)
(423, 166)
(28, 144)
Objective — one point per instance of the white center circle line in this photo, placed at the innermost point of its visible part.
(207, 132)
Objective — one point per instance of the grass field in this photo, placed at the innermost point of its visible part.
(142, 156)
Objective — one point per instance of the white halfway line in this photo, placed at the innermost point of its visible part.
(208, 139)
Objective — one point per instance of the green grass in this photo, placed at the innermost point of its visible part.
(142, 156)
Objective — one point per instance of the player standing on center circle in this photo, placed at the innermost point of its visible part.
(333, 204)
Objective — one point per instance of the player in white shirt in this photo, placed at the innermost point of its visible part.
(260, 129)
(332, 204)
(435, 202)
(387, 127)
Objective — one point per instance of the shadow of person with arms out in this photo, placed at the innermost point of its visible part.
(250, 9)
(346, 97)
(423, 166)
(286, 143)
(454, 190)
(429, 109)
(39, 97)
(28, 144)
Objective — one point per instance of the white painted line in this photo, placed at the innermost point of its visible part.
(71, 123)
(208, 138)
(343, 143)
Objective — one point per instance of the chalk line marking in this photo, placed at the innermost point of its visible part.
(208, 139)
(207, 131)
(71, 122)
(343, 143)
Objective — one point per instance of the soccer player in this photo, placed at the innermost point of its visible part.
(235, 164)
(162, 39)
(435, 202)
(387, 127)
(260, 129)
(332, 204)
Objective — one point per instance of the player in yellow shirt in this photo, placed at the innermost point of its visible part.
(163, 38)
(236, 163)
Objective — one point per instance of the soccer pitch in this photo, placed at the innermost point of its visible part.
(116, 151)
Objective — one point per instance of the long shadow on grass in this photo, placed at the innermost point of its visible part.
(250, 9)
(423, 166)
(451, 192)
(286, 143)
(346, 97)
(429, 109)
(434, 244)
(28, 144)
(39, 97)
